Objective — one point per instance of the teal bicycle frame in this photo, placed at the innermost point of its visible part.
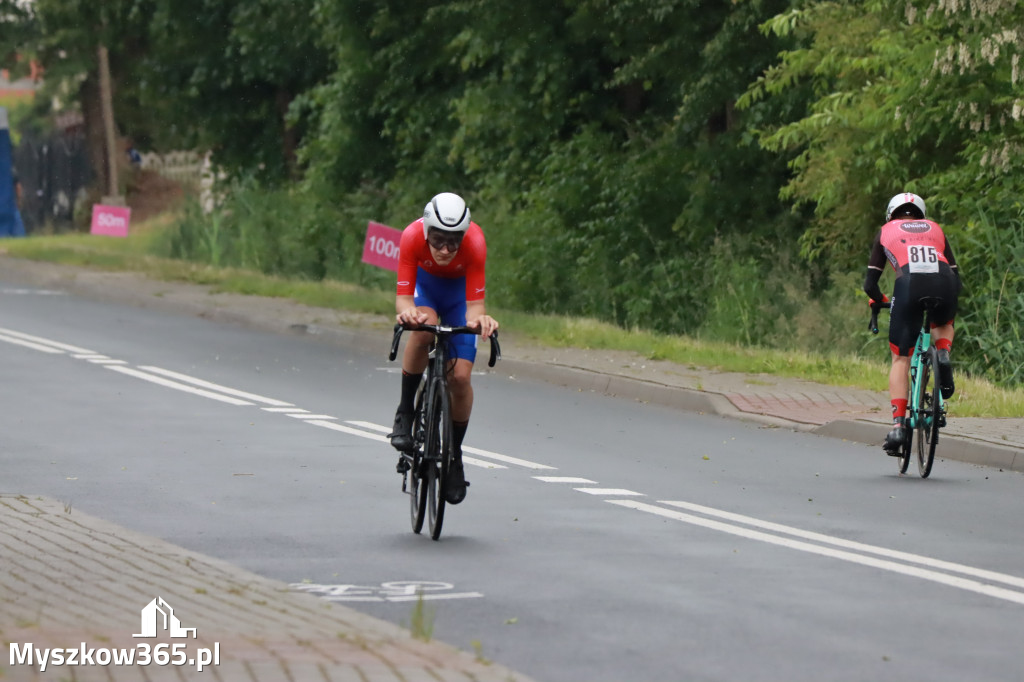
(921, 361)
(926, 408)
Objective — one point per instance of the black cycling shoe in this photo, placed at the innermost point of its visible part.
(946, 374)
(403, 465)
(401, 435)
(455, 491)
(894, 439)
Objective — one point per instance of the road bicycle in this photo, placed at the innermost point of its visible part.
(926, 409)
(425, 467)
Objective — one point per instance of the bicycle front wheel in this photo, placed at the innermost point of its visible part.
(437, 450)
(928, 415)
(417, 494)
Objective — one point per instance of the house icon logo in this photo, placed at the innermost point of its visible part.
(158, 616)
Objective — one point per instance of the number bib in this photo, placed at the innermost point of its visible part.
(922, 259)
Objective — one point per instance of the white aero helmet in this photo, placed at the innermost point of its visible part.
(903, 201)
(446, 212)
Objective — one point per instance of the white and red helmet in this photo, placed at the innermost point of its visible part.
(905, 201)
(447, 212)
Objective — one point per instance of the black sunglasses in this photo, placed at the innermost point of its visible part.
(440, 239)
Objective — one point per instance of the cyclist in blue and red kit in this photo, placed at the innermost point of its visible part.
(919, 253)
(441, 276)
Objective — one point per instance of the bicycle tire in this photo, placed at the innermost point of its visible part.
(903, 461)
(929, 407)
(417, 481)
(417, 495)
(437, 447)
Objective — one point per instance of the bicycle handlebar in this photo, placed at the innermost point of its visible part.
(442, 330)
(875, 307)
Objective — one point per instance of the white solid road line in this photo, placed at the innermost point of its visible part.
(46, 342)
(349, 430)
(856, 546)
(505, 458)
(883, 564)
(905, 563)
(175, 385)
(215, 387)
(29, 344)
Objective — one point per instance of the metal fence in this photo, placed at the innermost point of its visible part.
(54, 173)
(184, 167)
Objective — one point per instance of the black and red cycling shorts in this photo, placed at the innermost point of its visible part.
(912, 295)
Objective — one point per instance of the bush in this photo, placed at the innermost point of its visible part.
(991, 260)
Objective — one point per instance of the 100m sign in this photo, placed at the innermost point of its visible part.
(381, 246)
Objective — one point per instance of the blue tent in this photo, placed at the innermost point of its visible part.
(10, 217)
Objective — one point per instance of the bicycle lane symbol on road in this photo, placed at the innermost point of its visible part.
(393, 591)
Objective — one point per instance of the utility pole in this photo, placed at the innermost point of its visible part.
(106, 98)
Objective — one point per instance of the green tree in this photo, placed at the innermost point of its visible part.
(907, 95)
(223, 74)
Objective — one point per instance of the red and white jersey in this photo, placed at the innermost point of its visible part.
(911, 246)
(469, 262)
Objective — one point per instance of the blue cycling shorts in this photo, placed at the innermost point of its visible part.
(447, 296)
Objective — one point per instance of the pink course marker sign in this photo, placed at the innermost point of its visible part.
(110, 220)
(381, 246)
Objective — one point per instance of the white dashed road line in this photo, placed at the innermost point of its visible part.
(610, 492)
(564, 479)
(905, 563)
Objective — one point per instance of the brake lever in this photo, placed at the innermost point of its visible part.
(394, 342)
(495, 349)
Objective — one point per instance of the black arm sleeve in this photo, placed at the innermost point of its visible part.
(871, 287)
(948, 253)
(876, 262)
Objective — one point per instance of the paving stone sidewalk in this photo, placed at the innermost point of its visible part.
(72, 581)
(853, 414)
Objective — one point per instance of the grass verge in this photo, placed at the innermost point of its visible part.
(975, 397)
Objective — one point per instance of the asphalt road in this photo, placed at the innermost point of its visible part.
(617, 541)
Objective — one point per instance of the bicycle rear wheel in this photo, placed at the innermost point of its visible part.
(929, 412)
(903, 461)
(438, 450)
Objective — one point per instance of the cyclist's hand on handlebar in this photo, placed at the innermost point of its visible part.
(485, 323)
(412, 317)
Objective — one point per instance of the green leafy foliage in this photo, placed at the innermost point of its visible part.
(990, 331)
(714, 168)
